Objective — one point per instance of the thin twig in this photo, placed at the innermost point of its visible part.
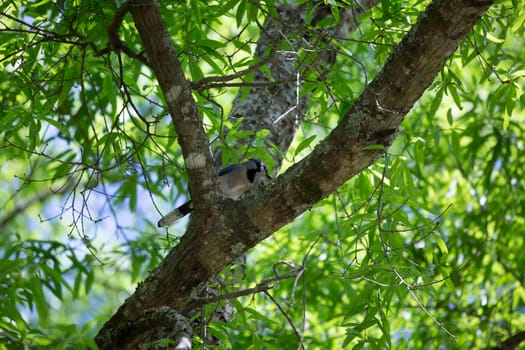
(260, 287)
(288, 318)
(387, 249)
(114, 40)
(212, 81)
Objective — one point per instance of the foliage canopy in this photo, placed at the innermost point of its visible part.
(423, 249)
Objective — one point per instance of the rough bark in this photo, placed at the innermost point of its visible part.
(154, 327)
(164, 61)
(512, 342)
(276, 107)
(213, 241)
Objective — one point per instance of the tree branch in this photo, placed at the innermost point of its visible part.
(511, 342)
(219, 81)
(114, 40)
(272, 100)
(181, 105)
(260, 287)
(39, 197)
(264, 105)
(210, 245)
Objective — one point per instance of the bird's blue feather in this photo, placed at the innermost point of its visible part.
(226, 170)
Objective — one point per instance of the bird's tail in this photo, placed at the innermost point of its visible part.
(176, 214)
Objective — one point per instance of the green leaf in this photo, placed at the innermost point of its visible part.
(252, 11)
(56, 279)
(76, 285)
(440, 243)
(494, 39)
(436, 102)
(241, 11)
(456, 147)
(510, 98)
(506, 121)
(39, 300)
(256, 315)
(304, 144)
(453, 90)
(195, 70)
(450, 119)
(90, 279)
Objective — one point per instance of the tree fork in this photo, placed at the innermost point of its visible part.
(210, 245)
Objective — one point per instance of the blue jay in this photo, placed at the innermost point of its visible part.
(234, 181)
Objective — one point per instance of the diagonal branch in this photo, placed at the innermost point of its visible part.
(272, 100)
(373, 120)
(260, 287)
(511, 342)
(163, 59)
(216, 81)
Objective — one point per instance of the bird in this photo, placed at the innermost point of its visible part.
(234, 181)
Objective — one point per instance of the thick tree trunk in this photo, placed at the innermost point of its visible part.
(277, 107)
(213, 241)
